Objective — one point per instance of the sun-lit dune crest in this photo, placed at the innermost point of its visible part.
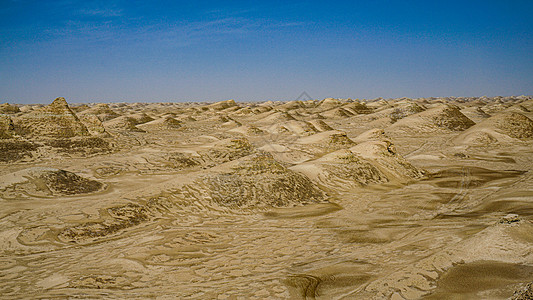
(41, 182)
(338, 112)
(260, 109)
(301, 128)
(518, 108)
(290, 105)
(443, 117)
(505, 127)
(102, 111)
(222, 105)
(165, 123)
(357, 108)
(324, 142)
(319, 124)
(475, 113)
(278, 116)
(141, 118)
(122, 123)
(378, 104)
(329, 103)
(55, 120)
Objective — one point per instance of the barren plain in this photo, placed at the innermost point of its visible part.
(333, 199)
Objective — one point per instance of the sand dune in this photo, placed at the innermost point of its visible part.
(42, 182)
(122, 123)
(502, 128)
(56, 120)
(443, 117)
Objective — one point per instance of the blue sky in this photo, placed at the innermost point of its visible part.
(89, 51)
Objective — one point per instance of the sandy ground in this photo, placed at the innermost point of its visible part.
(332, 199)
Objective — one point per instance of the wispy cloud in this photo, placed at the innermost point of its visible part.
(107, 23)
(102, 12)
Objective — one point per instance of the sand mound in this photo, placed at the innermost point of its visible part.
(278, 129)
(41, 182)
(376, 134)
(329, 103)
(337, 113)
(102, 111)
(247, 130)
(79, 145)
(367, 163)
(383, 155)
(277, 117)
(341, 169)
(6, 108)
(122, 123)
(225, 150)
(218, 119)
(261, 109)
(357, 108)
(231, 123)
(167, 123)
(56, 120)
(257, 181)
(502, 128)
(442, 117)
(290, 105)
(320, 125)
(404, 110)
(294, 126)
(14, 149)
(378, 105)
(475, 113)
(185, 119)
(117, 219)
(326, 141)
(317, 116)
(79, 108)
(141, 118)
(222, 105)
(7, 128)
(93, 124)
(518, 108)
(513, 124)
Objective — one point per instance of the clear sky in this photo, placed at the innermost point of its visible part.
(112, 50)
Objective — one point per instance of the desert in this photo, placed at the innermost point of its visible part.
(397, 198)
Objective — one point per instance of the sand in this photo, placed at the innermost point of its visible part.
(427, 198)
